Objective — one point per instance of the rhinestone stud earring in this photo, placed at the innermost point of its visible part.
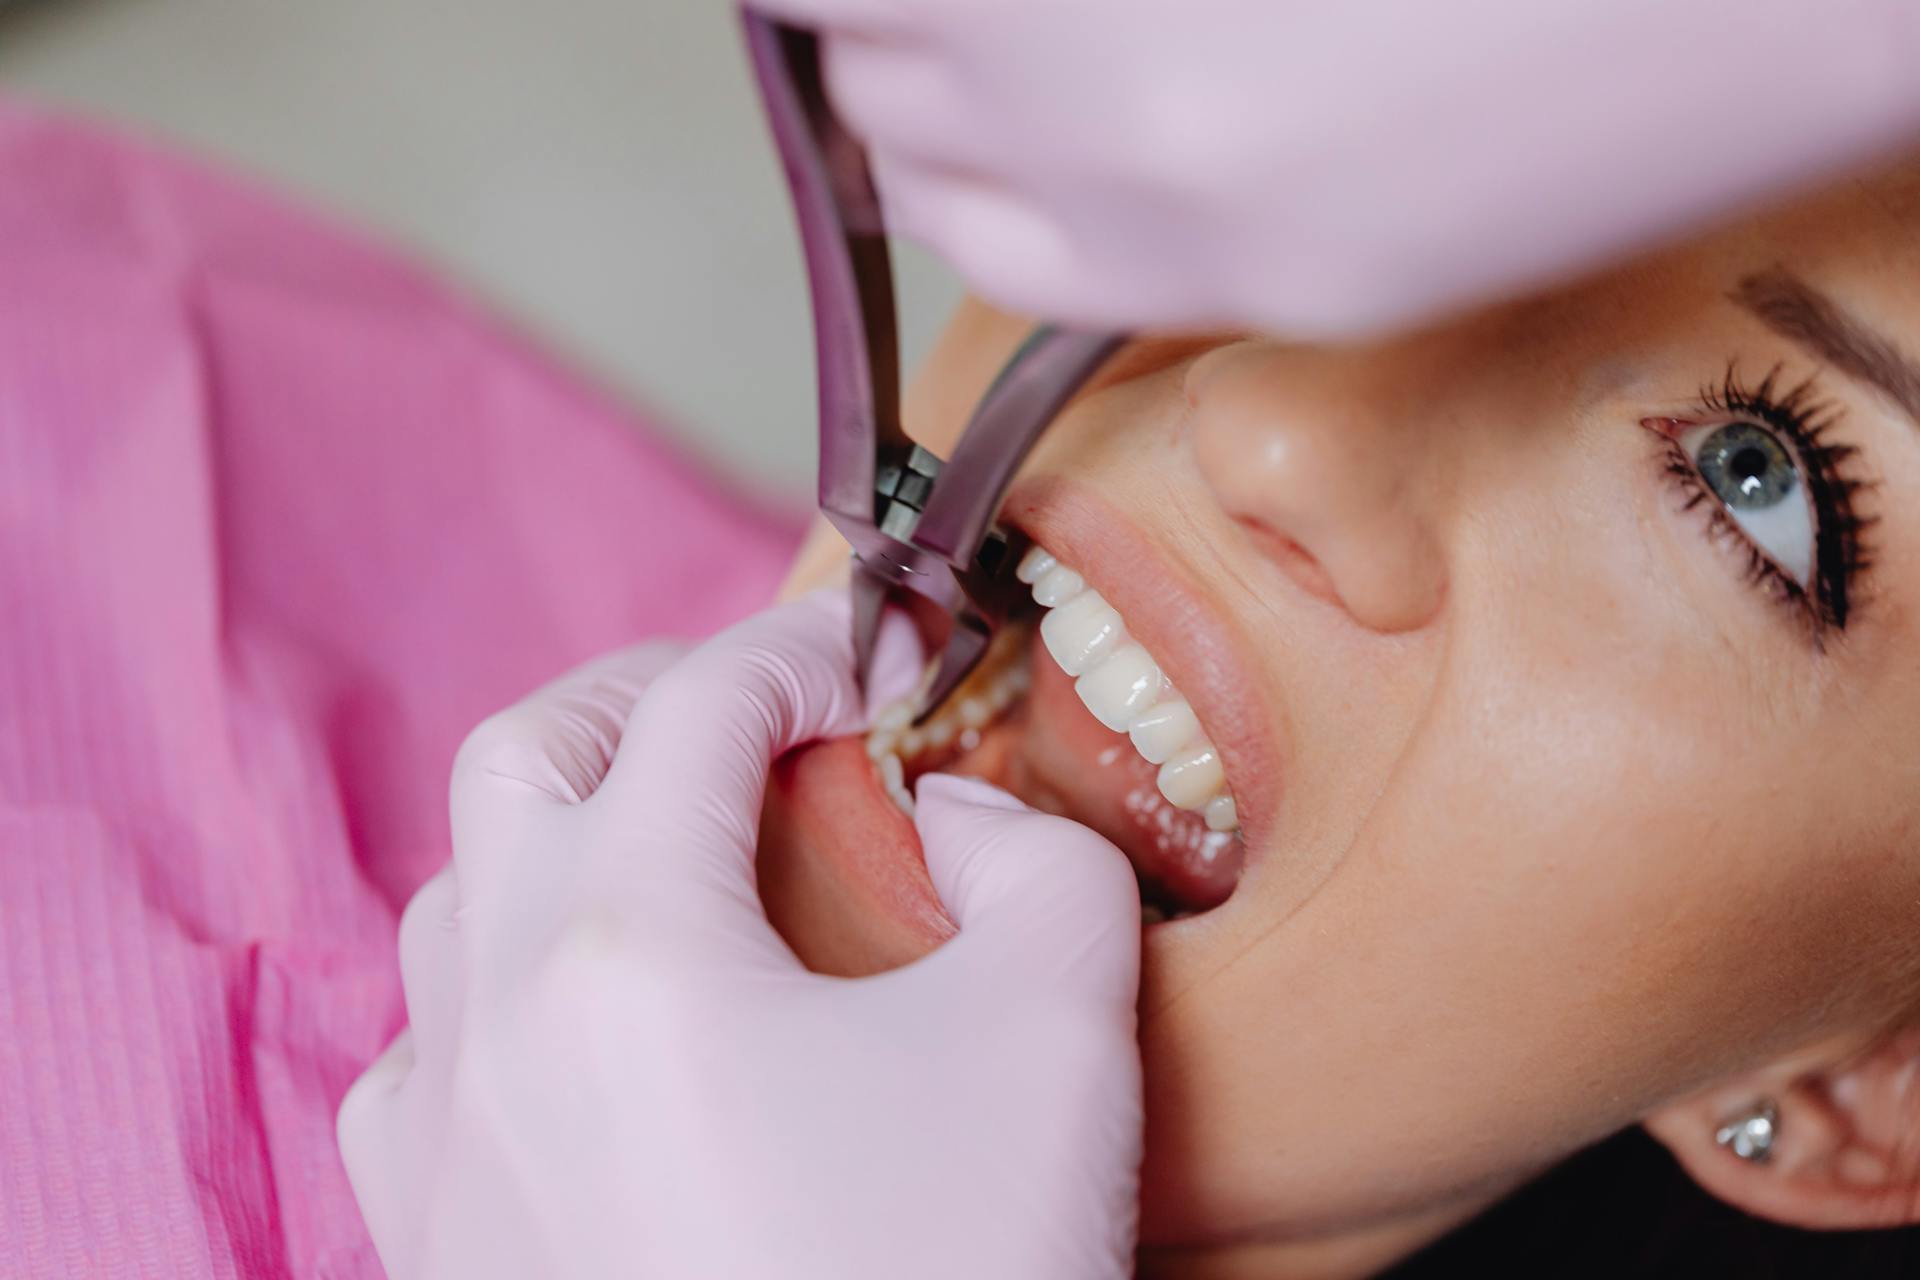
(1750, 1133)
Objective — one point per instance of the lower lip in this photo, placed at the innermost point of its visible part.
(1100, 780)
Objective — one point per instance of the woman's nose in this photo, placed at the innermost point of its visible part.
(1314, 458)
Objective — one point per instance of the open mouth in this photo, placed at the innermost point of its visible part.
(1071, 712)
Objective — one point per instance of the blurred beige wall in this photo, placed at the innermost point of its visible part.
(596, 169)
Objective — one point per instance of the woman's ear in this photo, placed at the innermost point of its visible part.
(1845, 1148)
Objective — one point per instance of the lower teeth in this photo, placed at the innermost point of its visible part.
(895, 742)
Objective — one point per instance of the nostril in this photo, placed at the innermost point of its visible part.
(1291, 558)
(1328, 471)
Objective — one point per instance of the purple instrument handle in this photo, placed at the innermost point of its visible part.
(1050, 367)
(849, 271)
(929, 541)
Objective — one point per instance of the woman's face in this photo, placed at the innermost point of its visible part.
(1565, 790)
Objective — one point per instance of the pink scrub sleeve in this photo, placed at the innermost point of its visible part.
(279, 521)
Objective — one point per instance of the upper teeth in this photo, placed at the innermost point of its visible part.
(1124, 688)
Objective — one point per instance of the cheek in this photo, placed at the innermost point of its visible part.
(1465, 999)
(1520, 924)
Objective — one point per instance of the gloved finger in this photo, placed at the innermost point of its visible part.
(384, 1159)
(1039, 899)
(431, 967)
(1003, 243)
(551, 749)
(367, 1127)
(903, 100)
(692, 766)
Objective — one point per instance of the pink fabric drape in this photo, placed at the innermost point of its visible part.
(279, 521)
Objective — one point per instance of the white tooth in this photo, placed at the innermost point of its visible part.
(1120, 687)
(1057, 586)
(1167, 726)
(893, 773)
(1033, 564)
(969, 739)
(903, 798)
(1081, 632)
(939, 732)
(912, 742)
(1193, 777)
(974, 713)
(894, 717)
(881, 744)
(1001, 695)
(1221, 814)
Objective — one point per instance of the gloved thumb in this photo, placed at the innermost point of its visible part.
(1039, 899)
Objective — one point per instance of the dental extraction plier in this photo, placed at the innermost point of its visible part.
(917, 524)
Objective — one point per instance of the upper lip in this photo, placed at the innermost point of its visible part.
(1187, 631)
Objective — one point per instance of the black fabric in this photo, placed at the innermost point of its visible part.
(1626, 1208)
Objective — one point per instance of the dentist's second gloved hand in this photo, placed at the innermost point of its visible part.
(616, 1068)
(1330, 169)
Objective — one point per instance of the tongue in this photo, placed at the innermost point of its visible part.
(840, 868)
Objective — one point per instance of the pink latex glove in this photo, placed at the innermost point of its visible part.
(615, 1067)
(1318, 169)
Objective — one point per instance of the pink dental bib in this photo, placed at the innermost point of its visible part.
(279, 521)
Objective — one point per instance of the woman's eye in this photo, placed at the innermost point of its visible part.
(1757, 479)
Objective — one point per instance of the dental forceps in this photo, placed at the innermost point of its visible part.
(918, 525)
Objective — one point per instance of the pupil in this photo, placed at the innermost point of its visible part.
(1746, 467)
(1749, 468)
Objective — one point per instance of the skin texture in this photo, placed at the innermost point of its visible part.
(1575, 826)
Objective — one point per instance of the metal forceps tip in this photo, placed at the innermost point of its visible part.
(919, 525)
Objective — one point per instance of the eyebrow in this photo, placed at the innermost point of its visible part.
(1802, 314)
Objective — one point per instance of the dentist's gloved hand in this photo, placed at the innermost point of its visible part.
(1329, 169)
(616, 1068)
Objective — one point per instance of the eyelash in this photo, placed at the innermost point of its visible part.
(1840, 550)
